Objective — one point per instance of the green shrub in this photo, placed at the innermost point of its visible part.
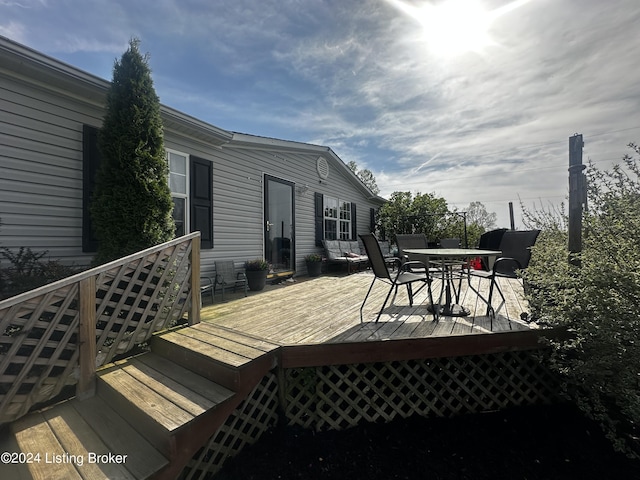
(599, 302)
(27, 271)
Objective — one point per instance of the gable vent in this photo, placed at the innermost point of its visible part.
(323, 167)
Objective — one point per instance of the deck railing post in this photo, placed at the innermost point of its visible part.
(87, 338)
(194, 308)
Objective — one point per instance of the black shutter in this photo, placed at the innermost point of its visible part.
(201, 198)
(354, 222)
(91, 160)
(319, 218)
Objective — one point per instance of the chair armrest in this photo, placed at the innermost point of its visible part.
(406, 266)
(505, 260)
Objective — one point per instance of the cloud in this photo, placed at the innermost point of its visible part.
(14, 30)
(359, 77)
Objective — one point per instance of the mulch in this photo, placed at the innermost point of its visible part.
(526, 443)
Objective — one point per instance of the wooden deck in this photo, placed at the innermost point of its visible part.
(170, 401)
(326, 310)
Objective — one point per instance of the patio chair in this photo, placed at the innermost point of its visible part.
(516, 253)
(389, 259)
(410, 240)
(402, 277)
(450, 243)
(226, 276)
(490, 241)
(206, 285)
(414, 240)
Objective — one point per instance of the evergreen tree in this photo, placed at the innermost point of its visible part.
(132, 205)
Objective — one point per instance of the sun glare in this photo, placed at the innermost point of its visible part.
(455, 26)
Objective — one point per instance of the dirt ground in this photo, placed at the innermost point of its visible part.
(527, 443)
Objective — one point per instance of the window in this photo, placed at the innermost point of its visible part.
(179, 185)
(337, 219)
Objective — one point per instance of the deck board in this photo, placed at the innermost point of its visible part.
(179, 395)
(327, 309)
(254, 342)
(120, 437)
(34, 436)
(164, 413)
(78, 439)
(212, 392)
(207, 349)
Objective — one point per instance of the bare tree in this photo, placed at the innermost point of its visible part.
(366, 176)
(477, 215)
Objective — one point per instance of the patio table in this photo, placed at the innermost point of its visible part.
(447, 258)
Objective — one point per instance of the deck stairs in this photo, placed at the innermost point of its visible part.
(157, 408)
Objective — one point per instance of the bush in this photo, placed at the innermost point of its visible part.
(27, 271)
(599, 302)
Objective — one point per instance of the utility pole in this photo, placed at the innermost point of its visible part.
(577, 195)
(511, 218)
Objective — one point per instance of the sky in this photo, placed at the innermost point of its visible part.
(469, 100)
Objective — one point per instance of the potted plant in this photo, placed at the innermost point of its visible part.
(256, 272)
(314, 264)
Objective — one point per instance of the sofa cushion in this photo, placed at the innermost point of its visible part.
(333, 251)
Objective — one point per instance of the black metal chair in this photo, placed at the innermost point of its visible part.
(516, 253)
(402, 277)
(410, 240)
(449, 243)
(490, 241)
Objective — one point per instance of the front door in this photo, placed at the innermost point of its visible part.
(279, 224)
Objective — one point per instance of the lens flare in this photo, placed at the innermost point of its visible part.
(455, 26)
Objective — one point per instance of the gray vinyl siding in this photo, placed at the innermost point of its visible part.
(41, 168)
(42, 113)
(238, 209)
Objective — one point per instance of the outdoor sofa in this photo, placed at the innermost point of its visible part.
(345, 252)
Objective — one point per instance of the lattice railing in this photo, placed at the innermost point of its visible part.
(58, 334)
(341, 396)
(244, 426)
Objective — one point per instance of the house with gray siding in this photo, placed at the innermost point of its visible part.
(249, 196)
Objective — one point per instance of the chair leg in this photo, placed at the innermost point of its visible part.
(365, 299)
(495, 285)
(410, 294)
(489, 307)
(436, 310)
(384, 304)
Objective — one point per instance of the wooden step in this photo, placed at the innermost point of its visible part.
(158, 397)
(76, 439)
(229, 358)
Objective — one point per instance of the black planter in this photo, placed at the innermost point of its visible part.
(314, 269)
(256, 279)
